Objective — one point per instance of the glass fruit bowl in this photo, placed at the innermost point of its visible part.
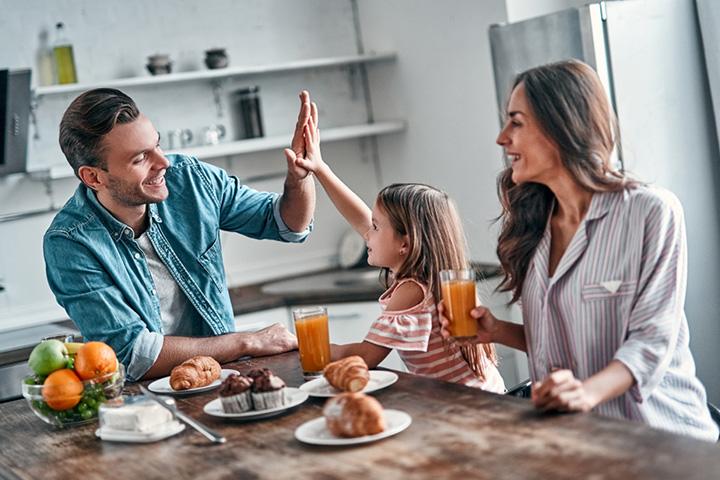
(72, 407)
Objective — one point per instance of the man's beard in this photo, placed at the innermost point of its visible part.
(128, 194)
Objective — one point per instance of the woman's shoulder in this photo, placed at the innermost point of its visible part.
(652, 200)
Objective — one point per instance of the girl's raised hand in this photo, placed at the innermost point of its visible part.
(487, 324)
(312, 161)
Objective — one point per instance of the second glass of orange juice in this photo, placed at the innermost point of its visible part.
(311, 328)
(458, 292)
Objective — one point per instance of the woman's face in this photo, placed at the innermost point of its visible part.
(532, 155)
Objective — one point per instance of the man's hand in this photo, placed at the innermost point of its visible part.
(312, 162)
(271, 341)
(298, 146)
(563, 392)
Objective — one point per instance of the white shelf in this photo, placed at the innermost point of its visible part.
(218, 73)
(256, 145)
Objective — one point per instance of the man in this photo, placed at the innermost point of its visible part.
(134, 256)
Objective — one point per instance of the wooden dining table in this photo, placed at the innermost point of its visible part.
(456, 432)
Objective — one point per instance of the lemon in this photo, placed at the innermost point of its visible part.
(73, 347)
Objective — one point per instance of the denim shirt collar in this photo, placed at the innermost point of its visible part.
(116, 228)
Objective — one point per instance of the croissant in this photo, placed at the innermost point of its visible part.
(194, 372)
(349, 374)
(354, 415)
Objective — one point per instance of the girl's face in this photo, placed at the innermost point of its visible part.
(386, 247)
(533, 156)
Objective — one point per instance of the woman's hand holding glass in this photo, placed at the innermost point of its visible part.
(487, 325)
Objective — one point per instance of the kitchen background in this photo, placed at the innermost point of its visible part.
(432, 98)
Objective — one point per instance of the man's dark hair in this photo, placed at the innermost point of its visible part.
(88, 119)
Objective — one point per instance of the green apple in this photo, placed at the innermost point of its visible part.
(48, 356)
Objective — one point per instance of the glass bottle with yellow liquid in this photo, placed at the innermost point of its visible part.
(63, 54)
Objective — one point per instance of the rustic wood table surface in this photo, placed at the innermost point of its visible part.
(457, 432)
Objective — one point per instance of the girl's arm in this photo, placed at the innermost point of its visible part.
(371, 353)
(350, 206)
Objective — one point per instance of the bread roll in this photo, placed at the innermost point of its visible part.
(349, 374)
(195, 372)
(354, 415)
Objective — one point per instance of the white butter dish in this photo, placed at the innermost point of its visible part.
(134, 414)
(162, 432)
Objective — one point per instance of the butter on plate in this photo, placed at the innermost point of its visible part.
(133, 414)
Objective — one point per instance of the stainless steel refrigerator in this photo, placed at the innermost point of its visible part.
(649, 54)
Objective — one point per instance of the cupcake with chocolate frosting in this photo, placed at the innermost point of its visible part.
(268, 390)
(235, 394)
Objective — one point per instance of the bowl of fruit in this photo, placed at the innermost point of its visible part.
(71, 381)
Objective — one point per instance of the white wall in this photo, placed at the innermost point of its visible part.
(112, 40)
(444, 85)
(518, 10)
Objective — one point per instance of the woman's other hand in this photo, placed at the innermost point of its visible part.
(487, 324)
(563, 392)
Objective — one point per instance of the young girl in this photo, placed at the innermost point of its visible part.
(412, 232)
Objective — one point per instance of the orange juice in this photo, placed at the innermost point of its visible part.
(313, 342)
(459, 297)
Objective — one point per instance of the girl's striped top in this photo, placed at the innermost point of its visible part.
(415, 334)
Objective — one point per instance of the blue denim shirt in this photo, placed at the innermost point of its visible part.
(99, 274)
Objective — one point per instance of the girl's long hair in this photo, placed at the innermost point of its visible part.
(436, 241)
(569, 103)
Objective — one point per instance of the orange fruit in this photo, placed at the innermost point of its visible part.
(95, 359)
(62, 389)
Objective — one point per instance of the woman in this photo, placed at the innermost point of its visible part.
(597, 261)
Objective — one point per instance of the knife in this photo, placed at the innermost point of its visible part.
(209, 434)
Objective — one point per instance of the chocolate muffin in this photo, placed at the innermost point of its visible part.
(268, 391)
(258, 372)
(235, 394)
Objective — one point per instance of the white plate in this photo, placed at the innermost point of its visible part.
(320, 387)
(172, 428)
(315, 432)
(296, 397)
(162, 385)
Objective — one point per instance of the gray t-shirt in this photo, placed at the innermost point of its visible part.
(173, 302)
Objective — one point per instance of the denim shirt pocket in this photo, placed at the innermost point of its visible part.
(212, 263)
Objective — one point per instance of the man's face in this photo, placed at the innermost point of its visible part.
(135, 173)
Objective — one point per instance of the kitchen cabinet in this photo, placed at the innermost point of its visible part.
(513, 363)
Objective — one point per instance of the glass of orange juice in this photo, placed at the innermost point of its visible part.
(458, 292)
(311, 328)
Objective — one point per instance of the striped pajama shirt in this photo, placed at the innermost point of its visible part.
(618, 293)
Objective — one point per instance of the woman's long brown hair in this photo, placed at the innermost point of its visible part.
(569, 103)
(436, 241)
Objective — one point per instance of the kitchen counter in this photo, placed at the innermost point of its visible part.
(456, 432)
(328, 286)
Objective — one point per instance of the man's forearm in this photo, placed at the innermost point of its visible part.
(297, 203)
(223, 348)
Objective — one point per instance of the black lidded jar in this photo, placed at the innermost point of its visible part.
(247, 115)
